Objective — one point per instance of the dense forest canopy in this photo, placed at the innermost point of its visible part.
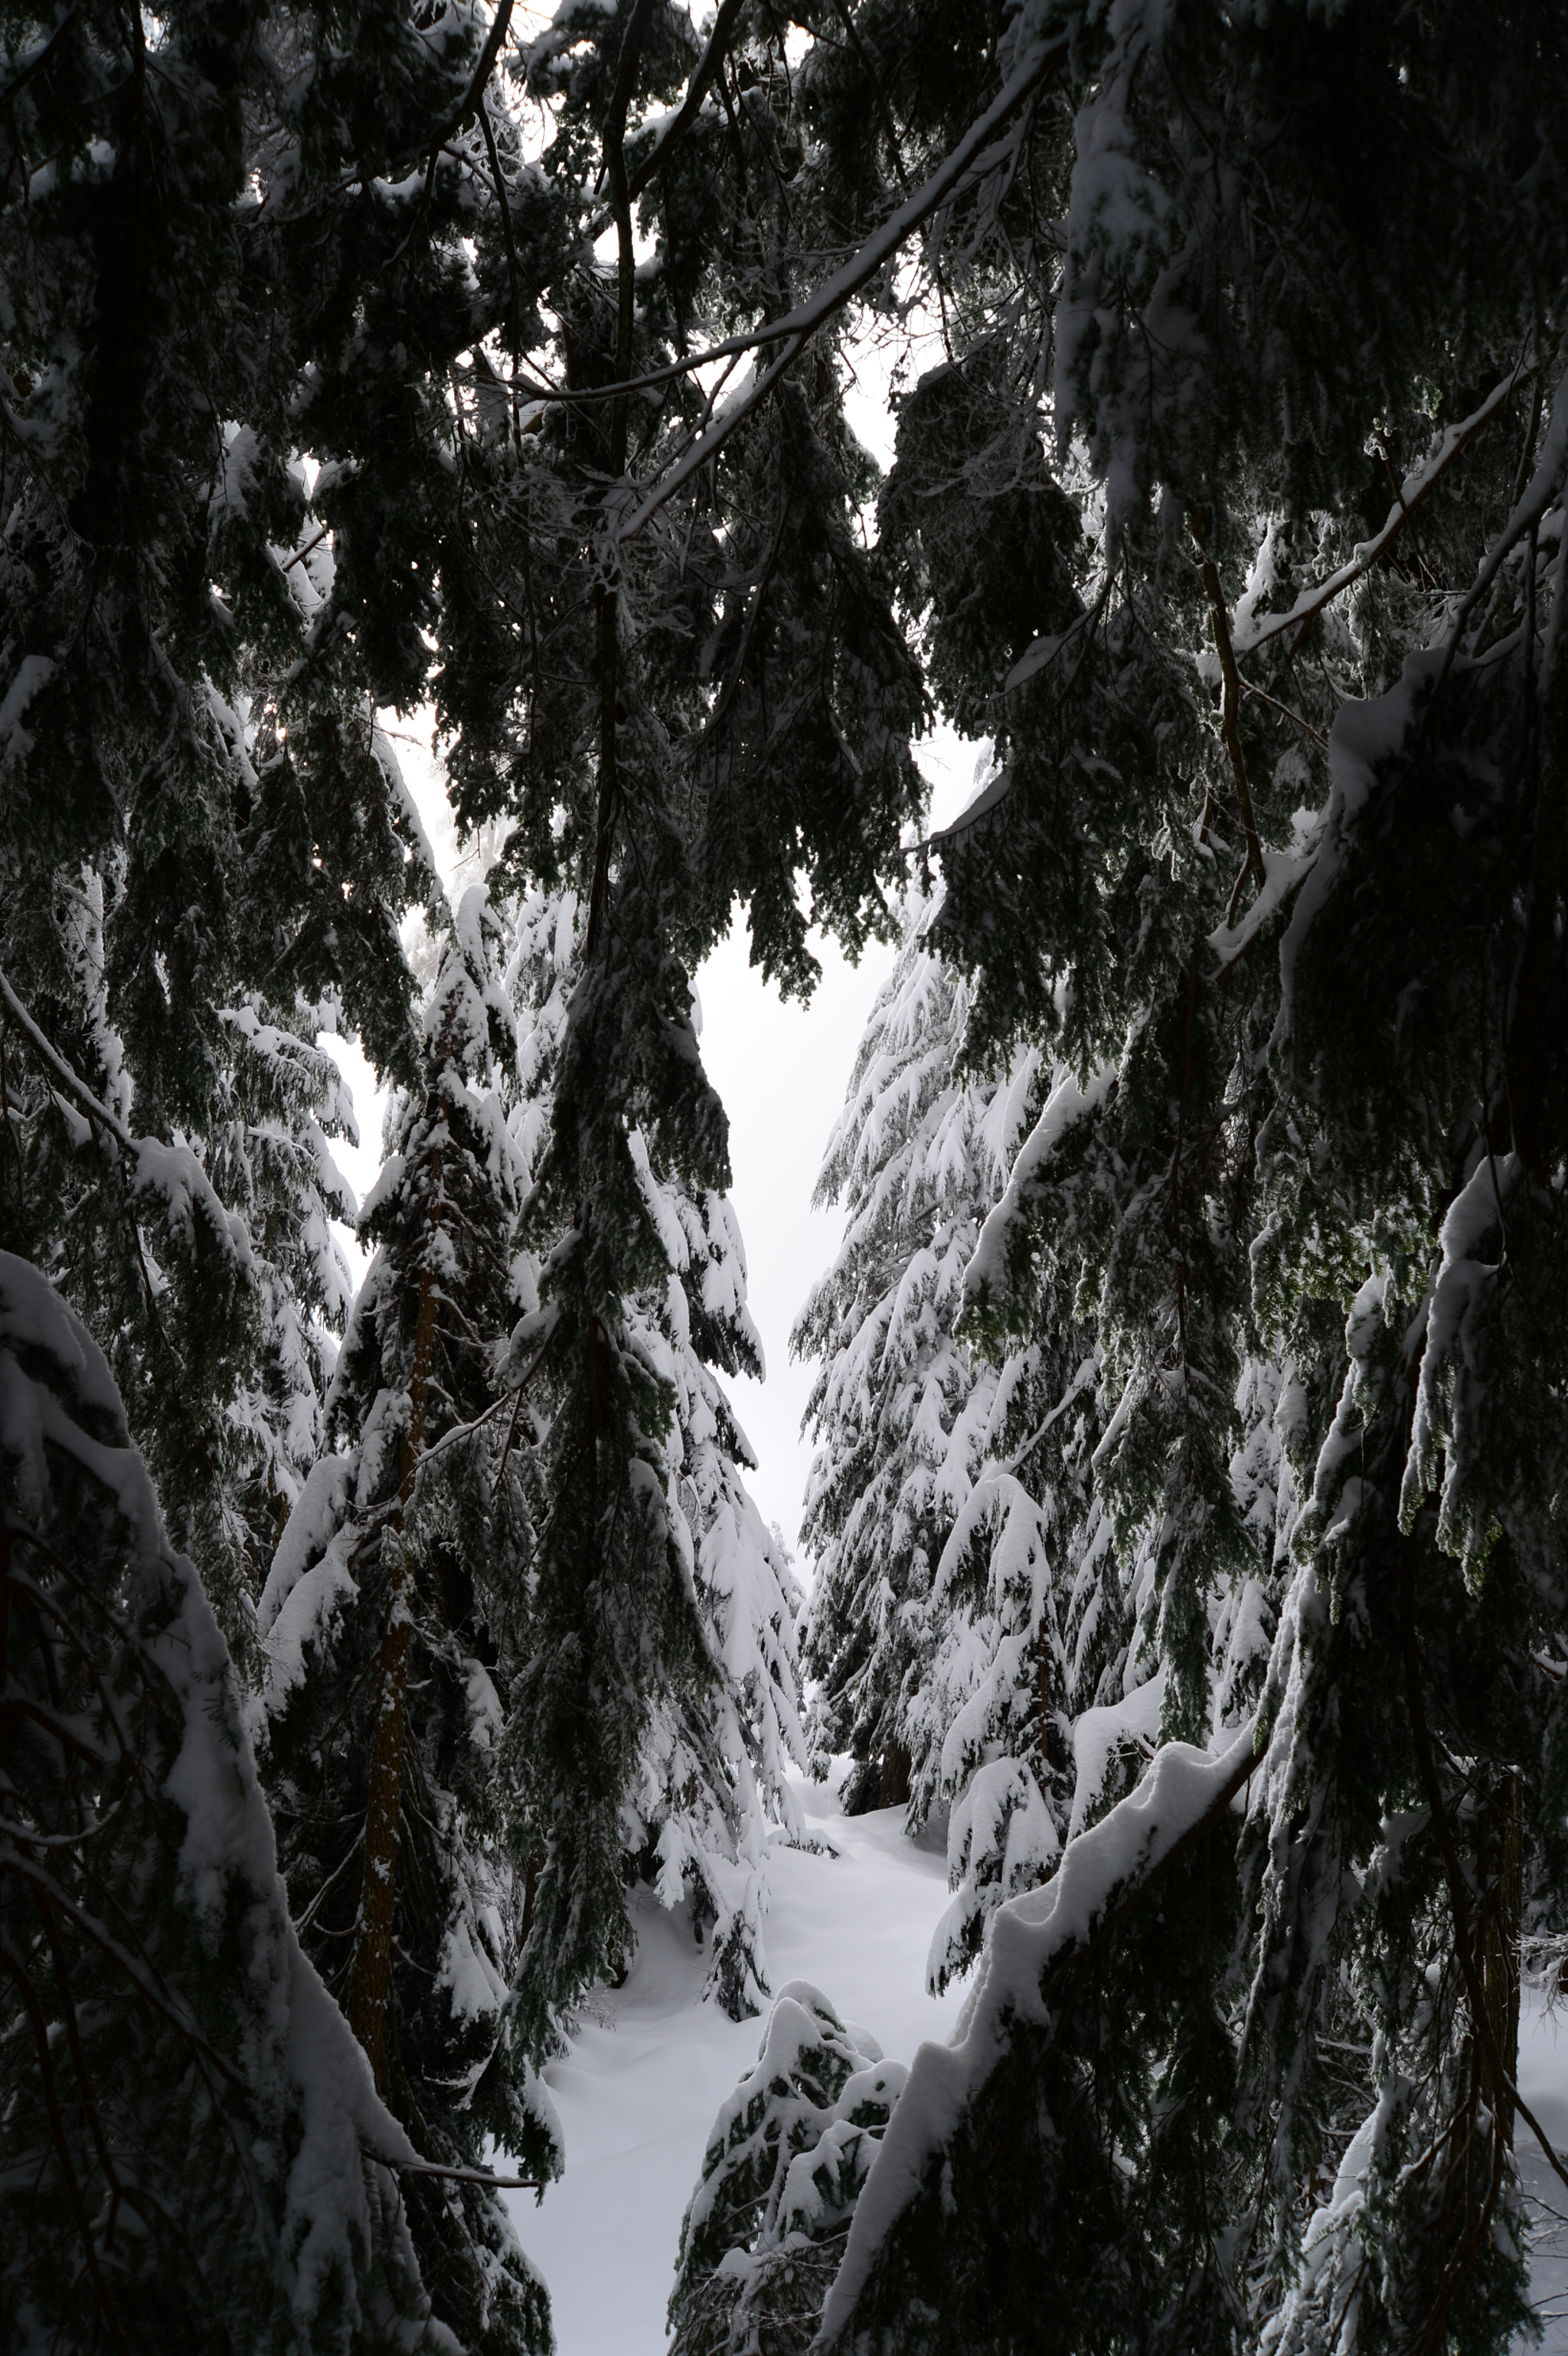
(1188, 1510)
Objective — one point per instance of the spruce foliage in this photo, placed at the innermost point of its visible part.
(1283, 1178)
(898, 1408)
(1232, 515)
(708, 1724)
(765, 2229)
(194, 2153)
(385, 1625)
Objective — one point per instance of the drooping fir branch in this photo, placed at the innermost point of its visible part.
(195, 2149)
(371, 1972)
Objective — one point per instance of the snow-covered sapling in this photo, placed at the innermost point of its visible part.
(786, 2158)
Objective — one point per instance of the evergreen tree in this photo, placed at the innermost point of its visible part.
(272, 1163)
(207, 1262)
(788, 2153)
(718, 1750)
(248, 242)
(668, 675)
(1234, 519)
(716, 1728)
(201, 828)
(1294, 1179)
(386, 1623)
(966, 1609)
(1006, 1758)
(899, 1410)
(194, 2153)
(200, 814)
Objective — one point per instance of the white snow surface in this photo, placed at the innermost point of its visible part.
(640, 2089)
(1544, 2082)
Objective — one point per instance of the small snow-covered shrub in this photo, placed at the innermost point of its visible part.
(787, 2156)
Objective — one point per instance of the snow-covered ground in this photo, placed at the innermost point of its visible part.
(638, 2092)
(1544, 2082)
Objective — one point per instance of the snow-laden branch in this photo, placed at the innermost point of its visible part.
(172, 1171)
(969, 161)
(986, 1277)
(72, 1084)
(1529, 509)
(972, 158)
(676, 125)
(1416, 487)
(968, 158)
(1102, 1873)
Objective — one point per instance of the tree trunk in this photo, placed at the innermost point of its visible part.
(896, 1765)
(370, 1974)
(1501, 1911)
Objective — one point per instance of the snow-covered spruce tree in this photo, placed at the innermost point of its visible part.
(661, 690)
(1005, 1757)
(271, 1161)
(718, 1729)
(664, 673)
(968, 1604)
(386, 1623)
(248, 242)
(195, 2152)
(207, 1262)
(788, 2153)
(720, 1746)
(198, 813)
(898, 1411)
(1290, 913)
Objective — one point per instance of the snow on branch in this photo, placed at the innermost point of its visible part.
(969, 161)
(173, 1173)
(1418, 486)
(1068, 1103)
(1100, 1872)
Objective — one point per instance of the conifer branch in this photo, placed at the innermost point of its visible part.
(459, 2175)
(1414, 493)
(73, 1085)
(85, 2235)
(606, 593)
(371, 1972)
(1530, 977)
(40, 58)
(504, 207)
(1453, 1872)
(971, 158)
(969, 162)
(690, 106)
(852, 32)
(1230, 704)
(76, 1089)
